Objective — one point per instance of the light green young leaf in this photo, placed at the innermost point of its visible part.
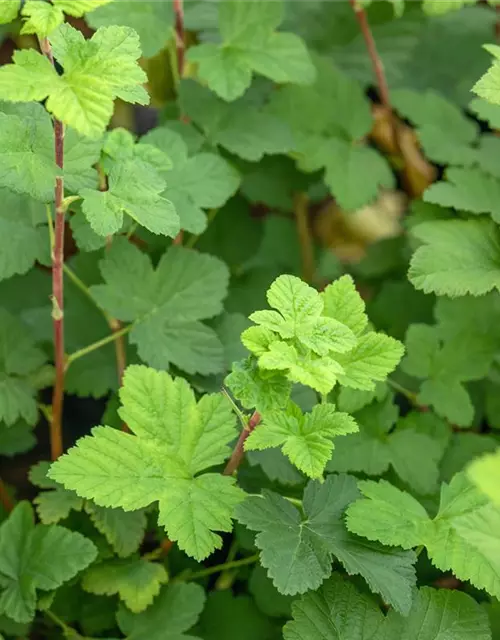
(250, 44)
(257, 389)
(485, 474)
(53, 506)
(488, 86)
(440, 7)
(298, 551)
(306, 439)
(468, 189)
(176, 440)
(152, 21)
(9, 10)
(136, 581)
(458, 257)
(42, 18)
(124, 530)
(166, 304)
(77, 8)
(372, 359)
(343, 303)
(28, 562)
(175, 610)
(134, 188)
(95, 72)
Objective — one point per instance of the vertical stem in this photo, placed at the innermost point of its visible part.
(180, 48)
(237, 455)
(377, 64)
(497, 23)
(5, 499)
(56, 442)
(300, 203)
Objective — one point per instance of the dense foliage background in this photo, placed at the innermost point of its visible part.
(293, 474)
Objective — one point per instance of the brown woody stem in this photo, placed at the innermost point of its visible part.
(56, 441)
(180, 45)
(301, 208)
(377, 64)
(238, 452)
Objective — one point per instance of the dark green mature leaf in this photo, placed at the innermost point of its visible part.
(166, 304)
(298, 550)
(28, 561)
(173, 612)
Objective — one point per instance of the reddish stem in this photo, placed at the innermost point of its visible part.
(238, 452)
(5, 499)
(377, 64)
(56, 442)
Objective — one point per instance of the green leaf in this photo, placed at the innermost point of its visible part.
(462, 538)
(175, 610)
(175, 440)
(355, 174)
(124, 530)
(440, 7)
(258, 389)
(166, 304)
(237, 126)
(250, 44)
(486, 111)
(18, 438)
(77, 8)
(372, 359)
(9, 10)
(43, 18)
(269, 600)
(28, 562)
(484, 473)
(458, 257)
(202, 181)
(467, 189)
(95, 72)
(449, 398)
(488, 86)
(343, 303)
(445, 133)
(338, 610)
(133, 189)
(152, 21)
(306, 439)
(412, 449)
(298, 551)
(19, 359)
(136, 581)
(53, 506)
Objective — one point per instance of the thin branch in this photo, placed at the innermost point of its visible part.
(238, 452)
(180, 45)
(409, 395)
(378, 66)
(5, 499)
(76, 355)
(56, 440)
(234, 564)
(301, 209)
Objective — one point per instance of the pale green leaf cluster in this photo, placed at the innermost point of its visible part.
(306, 439)
(176, 442)
(96, 71)
(462, 538)
(36, 557)
(340, 611)
(485, 474)
(42, 18)
(318, 339)
(328, 121)
(488, 86)
(297, 549)
(413, 449)
(136, 581)
(166, 304)
(250, 44)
